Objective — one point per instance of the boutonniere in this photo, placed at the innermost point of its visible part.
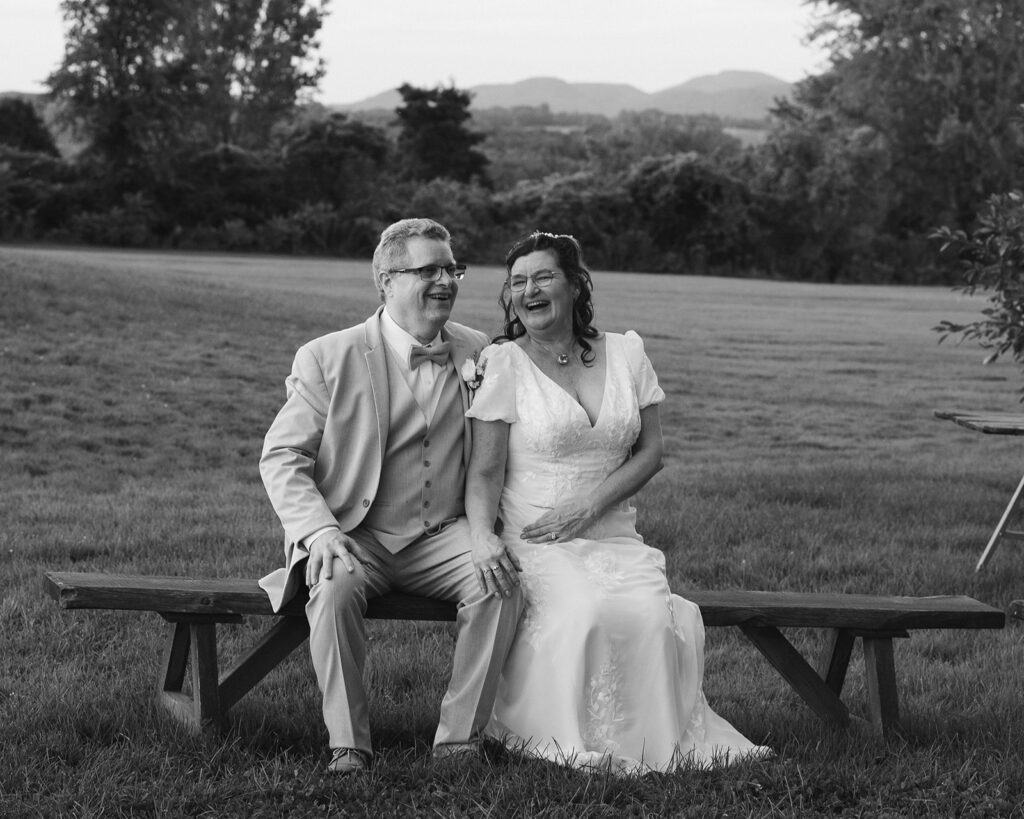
(472, 372)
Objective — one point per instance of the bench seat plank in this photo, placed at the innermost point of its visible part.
(203, 595)
(992, 423)
(190, 595)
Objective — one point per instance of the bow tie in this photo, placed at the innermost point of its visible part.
(438, 353)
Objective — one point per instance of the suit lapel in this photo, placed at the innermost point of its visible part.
(459, 353)
(377, 367)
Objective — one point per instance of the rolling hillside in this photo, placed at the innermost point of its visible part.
(729, 94)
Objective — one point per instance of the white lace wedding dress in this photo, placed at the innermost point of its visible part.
(607, 666)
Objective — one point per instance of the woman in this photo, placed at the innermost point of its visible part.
(607, 665)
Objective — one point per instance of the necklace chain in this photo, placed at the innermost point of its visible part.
(561, 358)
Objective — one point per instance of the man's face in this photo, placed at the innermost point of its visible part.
(421, 308)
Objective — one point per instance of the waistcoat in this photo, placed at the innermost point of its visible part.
(422, 475)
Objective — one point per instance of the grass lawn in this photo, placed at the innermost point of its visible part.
(135, 389)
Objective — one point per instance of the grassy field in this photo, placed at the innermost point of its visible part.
(135, 390)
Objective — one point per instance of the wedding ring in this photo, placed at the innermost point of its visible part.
(492, 568)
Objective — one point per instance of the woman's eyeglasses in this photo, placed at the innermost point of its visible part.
(540, 279)
(432, 272)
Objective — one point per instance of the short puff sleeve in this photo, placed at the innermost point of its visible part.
(495, 398)
(648, 392)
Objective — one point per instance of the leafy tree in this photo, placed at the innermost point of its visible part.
(463, 208)
(117, 87)
(434, 141)
(221, 184)
(518, 152)
(592, 206)
(992, 258)
(823, 192)
(697, 216)
(253, 60)
(22, 128)
(33, 187)
(334, 160)
(636, 135)
(142, 79)
(938, 81)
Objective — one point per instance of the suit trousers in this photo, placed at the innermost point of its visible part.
(437, 566)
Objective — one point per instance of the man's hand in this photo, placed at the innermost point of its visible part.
(496, 568)
(323, 551)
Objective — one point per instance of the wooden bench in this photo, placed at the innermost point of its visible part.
(194, 606)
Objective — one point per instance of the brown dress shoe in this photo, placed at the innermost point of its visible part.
(348, 760)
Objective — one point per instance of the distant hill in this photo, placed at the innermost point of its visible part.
(744, 95)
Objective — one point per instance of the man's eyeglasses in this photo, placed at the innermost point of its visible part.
(432, 272)
(542, 279)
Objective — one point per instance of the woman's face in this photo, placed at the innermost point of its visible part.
(544, 305)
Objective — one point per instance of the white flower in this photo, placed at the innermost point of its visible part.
(472, 372)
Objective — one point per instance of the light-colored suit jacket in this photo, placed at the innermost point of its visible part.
(322, 455)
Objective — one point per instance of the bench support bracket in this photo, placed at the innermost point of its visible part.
(822, 689)
(798, 673)
(192, 646)
(281, 640)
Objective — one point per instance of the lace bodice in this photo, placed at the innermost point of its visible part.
(554, 453)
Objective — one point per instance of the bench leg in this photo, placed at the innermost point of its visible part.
(195, 644)
(836, 659)
(282, 639)
(883, 699)
(798, 673)
(175, 658)
(192, 644)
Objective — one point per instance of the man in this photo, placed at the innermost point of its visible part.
(365, 466)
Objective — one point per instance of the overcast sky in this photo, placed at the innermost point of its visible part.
(374, 45)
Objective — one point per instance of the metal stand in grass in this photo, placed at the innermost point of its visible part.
(995, 423)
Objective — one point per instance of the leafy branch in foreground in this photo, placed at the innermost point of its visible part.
(992, 259)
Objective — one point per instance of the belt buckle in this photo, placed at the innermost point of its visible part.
(439, 527)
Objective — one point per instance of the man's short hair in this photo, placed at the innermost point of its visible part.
(393, 242)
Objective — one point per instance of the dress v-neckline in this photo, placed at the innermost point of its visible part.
(604, 390)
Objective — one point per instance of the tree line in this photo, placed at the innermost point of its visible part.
(198, 132)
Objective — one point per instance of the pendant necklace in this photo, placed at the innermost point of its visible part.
(561, 358)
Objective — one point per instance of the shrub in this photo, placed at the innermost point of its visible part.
(991, 258)
(126, 225)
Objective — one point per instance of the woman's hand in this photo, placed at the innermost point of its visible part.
(497, 569)
(563, 522)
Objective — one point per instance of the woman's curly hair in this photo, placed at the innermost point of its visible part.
(570, 261)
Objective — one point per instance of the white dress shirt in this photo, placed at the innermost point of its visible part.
(426, 380)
